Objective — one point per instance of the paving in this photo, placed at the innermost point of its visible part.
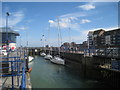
(6, 82)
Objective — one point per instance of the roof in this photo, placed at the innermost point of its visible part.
(3, 30)
(90, 33)
(97, 32)
(112, 32)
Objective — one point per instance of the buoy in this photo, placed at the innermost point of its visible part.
(29, 70)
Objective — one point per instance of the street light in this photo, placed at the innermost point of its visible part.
(7, 15)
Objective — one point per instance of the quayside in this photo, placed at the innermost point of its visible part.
(48, 75)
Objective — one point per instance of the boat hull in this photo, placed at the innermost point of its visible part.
(43, 54)
(30, 58)
(57, 60)
(48, 57)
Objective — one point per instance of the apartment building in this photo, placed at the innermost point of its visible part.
(104, 39)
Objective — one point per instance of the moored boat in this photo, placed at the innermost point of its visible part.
(4, 52)
(30, 58)
(48, 57)
(43, 54)
(57, 60)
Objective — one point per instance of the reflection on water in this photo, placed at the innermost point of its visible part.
(48, 75)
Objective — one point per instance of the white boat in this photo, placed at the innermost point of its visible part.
(30, 58)
(48, 57)
(4, 52)
(57, 60)
(43, 54)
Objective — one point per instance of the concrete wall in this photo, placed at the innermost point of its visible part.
(73, 56)
(88, 67)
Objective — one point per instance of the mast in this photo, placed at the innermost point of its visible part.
(48, 38)
(69, 30)
(59, 35)
(69, 33)
(43, 42)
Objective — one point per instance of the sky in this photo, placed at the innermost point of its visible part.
(74, 20)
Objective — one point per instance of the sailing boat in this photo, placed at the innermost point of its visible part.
(30, 58)
(43, 54)
(57, 59)
(48, 56)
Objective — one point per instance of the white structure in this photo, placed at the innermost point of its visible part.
(8, 38)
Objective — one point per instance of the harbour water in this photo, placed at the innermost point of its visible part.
(45, 74)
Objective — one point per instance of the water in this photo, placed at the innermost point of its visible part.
(48, 75)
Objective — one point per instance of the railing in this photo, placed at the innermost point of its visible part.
(16, 68)
(109, 52)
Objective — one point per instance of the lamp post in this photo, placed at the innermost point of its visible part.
(7, 43)
(7, 64)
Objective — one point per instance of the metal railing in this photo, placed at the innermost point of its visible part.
(109, 52)
(16, 69)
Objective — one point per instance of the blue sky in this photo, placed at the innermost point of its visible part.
(32, 20)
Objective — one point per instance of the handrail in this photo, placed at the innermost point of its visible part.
(16, 66)
(10, 75)
(8, 57)
(8, 67)
(23, 82)
(13, 61)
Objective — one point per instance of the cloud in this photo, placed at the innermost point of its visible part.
(13, 19)
(88, 6)
(23, 28)
(65, 23)
(51, 21)
(83, 21)
(18, 28)
(70, 20)
(73, 15)
(16, 18)
(61, 24)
